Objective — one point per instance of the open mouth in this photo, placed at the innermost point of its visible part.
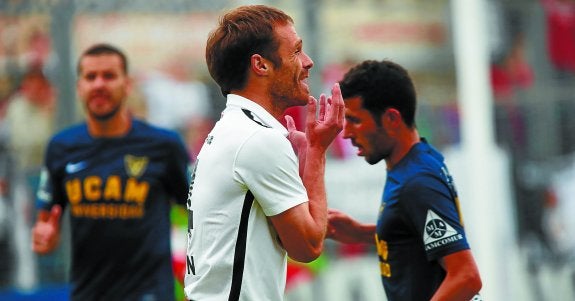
(359, 149)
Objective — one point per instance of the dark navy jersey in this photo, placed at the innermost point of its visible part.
(418, 223)
(118, 192)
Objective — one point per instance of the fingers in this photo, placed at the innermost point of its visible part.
(332, 211)
(46, 230)
(335, 216)
(55, 214)
(332, 109)
(311, 109)
(290, 123)
(336, 93)
(337, 107)
(322, 107)
(43, 240)
(39, 247)
(296, 138)
(39, 241)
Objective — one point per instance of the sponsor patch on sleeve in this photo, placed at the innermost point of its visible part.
(437, 232)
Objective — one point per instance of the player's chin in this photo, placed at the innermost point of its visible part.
(301, 99)
(304, 92)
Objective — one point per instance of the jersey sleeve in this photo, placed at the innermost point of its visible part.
(179, 171)
(49, 192)
(433, 210)
(268, 166)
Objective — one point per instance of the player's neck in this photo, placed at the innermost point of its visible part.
(404, 144)
(116, 126)
(264, 101)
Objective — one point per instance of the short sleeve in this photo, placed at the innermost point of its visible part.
(268, 166)
(49, 191)
(435, 216)
(179, 170)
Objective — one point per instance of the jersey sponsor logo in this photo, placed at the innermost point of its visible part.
(72, 167)
(135, 166)
(112, 188)
(111, 197)
(437, 232)
(108, 211)
(383, 253)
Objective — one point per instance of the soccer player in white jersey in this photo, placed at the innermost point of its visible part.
(258, 192)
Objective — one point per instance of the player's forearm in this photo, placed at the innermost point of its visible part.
(313, 180)
(301, 156)
(366, 233)
(362, 234)
(462, 281)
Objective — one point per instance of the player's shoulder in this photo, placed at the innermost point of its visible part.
(426, 168)
(424, 157)
(265, 145)
(144, 129)
(422, 162)
(246, 125)
(77, 133)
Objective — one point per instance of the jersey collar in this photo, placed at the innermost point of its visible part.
(234, 100)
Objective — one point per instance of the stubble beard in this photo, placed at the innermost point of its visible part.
(284, 97)
(105, 116)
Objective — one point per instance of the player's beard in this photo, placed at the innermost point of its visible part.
(106, 116)
(289, 93)
(379, 147)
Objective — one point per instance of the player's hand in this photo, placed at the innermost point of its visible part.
(46, 231)
(296, 138)
(322, 129)
(298, 142)
(341, 227)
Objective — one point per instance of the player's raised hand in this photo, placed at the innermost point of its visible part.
(297, 138)
(322, 128)
(46, 231)
(298, 142)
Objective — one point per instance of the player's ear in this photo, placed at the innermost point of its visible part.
(129, 85)
(392, 116)
(259, 64)
(391, 119)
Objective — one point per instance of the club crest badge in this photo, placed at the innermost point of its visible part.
(135, 166)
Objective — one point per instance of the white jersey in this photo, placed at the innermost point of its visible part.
(246, 171)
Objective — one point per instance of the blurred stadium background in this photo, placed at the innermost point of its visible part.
(496, 86)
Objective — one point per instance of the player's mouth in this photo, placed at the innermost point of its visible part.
(360, 151)
(304, 81)
(99, 98)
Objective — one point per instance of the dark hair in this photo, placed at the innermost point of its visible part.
(99, 49)
(381, 85)
(242, 32)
